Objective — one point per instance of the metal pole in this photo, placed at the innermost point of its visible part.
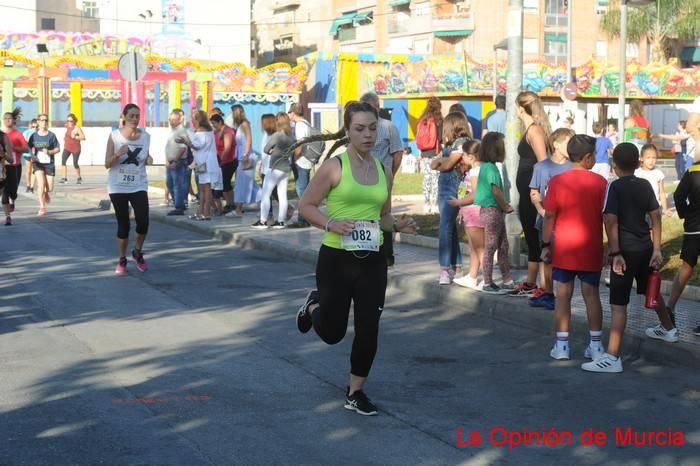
(623, 72)
(495, 72)
(513, 126)
(569, 40)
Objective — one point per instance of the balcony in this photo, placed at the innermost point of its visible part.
(422, 24)
(554, 20)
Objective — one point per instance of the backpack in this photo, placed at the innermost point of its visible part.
(313, 151)
(426, 135)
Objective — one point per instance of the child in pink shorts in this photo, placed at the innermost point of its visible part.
(469, 215)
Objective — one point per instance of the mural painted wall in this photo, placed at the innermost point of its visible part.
(404, 76)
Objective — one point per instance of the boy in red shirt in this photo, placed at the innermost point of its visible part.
(574, 209)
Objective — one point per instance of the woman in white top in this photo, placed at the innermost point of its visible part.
(245, 190)
(126, 158)
(206, 164)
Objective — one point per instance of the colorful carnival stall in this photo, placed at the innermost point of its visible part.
(405, 82)
(78, 74)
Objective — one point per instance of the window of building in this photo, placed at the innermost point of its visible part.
(555, 12)
(555, 48)
(531, 6)
(422, 9)
(531, 45)
(345, 34)
(90, 9)
(283, 46)
(422, 46)
(48, 24)
(601, 49)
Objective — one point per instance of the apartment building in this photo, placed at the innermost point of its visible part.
(287, 29)
(283, 30)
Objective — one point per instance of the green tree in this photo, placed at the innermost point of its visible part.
(664, 23)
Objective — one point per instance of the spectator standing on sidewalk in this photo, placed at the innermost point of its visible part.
(647, 170)
(469, 215)
(389, 151)
(206, 163)
(72, 147)
(633, 251)
(428, 137)
(351, 267)
(126, 158)
(177, 177)
(27, 156)
(225, 138)
(573, 211)
(543, 173)
(533, 148)
(687, 200)
(491, 198)
(245, 189)
(680, 146)
(455, 132)
(44, 146)
(603, 149)
(302, 129)
(13, 168)
(280, 167)
(496, 122)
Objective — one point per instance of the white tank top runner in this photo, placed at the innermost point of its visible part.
(129, 175)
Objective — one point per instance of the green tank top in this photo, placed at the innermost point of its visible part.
(351, 200)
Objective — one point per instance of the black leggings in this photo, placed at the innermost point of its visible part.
(227, 171)
(139, 202)
(528, 215)
(341, 278)
(12, 177)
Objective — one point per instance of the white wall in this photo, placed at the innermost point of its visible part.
(16, 20)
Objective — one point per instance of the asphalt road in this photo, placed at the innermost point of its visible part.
(198, 361)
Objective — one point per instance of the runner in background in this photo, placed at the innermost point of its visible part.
(27, 156)
(126, 158)
(72, 147)
(44, 146)
(13, 169)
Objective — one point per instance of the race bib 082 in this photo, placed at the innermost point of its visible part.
(364, 237)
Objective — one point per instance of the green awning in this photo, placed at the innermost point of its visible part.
(399, 2)
(555, 37)
(455, 33)
(690, 54)
(364, 16)
(346, 18)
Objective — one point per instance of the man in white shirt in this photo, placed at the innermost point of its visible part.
(302, 129)
(176, 172)
(389, 151)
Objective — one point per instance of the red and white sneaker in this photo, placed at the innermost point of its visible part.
(524, 290)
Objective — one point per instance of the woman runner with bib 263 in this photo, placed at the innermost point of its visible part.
(126, 159)
(351, 265)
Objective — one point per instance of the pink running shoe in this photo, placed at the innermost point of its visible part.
(121, 266)
(140, 261)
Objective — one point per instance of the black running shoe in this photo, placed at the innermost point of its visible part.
(304, 322)
(259, 225)
(696, 330)
(359, 403)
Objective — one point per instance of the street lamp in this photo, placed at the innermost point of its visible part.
(623, 62)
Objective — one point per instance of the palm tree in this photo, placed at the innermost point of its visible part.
(664, 23)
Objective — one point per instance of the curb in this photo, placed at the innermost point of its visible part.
(454, 300)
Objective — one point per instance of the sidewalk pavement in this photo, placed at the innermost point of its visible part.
(416, 274)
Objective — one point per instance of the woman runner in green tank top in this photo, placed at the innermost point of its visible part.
(351, 265)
